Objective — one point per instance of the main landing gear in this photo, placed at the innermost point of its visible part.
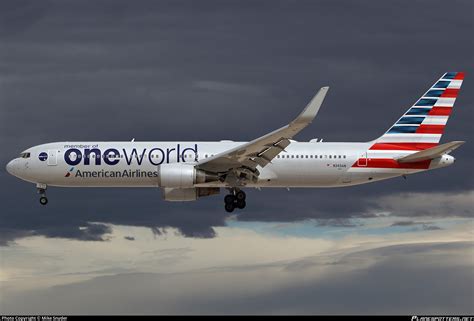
(236, 199)
(41, 188)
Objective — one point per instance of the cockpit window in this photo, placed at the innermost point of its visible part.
(25, 155)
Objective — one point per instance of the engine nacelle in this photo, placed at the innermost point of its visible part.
(188, 194)
(183, 175)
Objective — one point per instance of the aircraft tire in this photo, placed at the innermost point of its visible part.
(229, 199)
(229, 207)
(240, 196)
(43, 200)
(240, 204)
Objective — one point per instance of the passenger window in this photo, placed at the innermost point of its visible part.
(292, 156)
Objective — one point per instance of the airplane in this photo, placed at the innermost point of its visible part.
(186, 171)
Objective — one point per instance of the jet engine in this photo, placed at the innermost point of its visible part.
(178, 175)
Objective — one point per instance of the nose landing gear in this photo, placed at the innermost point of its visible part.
(236, 199)
(41, 188)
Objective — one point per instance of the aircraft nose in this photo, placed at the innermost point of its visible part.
(11, 167)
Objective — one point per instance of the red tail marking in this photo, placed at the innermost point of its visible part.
(440, 111)
(402, 146)
(459, 75)
(450, 93)
(430, 129)
(391, 163)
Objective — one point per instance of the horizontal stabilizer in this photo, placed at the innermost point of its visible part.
(431, 153)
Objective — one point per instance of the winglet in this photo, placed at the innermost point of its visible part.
(310, 111)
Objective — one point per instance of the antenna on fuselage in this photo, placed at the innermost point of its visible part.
(133, 139)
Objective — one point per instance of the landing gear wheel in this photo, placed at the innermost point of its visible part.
(229, 207)
(41, 188)
(43, 200)
(240, 196)
(240, 204)
(229, 199)
(235, 199)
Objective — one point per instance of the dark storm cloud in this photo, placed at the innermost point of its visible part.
(79, 231)
(210, 70)
(387, 280)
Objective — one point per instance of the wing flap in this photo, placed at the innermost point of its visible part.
(431, 153)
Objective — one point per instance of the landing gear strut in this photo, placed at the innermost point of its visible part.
(236, 199)
(41, 188)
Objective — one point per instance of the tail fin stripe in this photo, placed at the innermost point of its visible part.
(442, 84)
(449, 75)
(426, 102)
(409, 138)
(430, 129)
(402, 146)
(402, 130)
(435, 120)
(444, 101)
(410, 120)
(455, 84)
(435, 93)
(418, 111)
(450, 93)
(440, 111)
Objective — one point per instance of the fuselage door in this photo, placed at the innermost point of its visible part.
(362, 161)
(52, 157)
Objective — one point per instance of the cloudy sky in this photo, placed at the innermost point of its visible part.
(211, 70)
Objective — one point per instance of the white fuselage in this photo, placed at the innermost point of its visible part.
(135, 164)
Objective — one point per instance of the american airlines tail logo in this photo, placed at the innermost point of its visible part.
(111, 156)
(69, 173)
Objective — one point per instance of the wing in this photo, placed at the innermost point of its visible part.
(242, 161)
